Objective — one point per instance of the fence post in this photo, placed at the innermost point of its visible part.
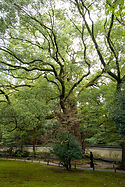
(114, 168)
(75, 165)
(48, 162)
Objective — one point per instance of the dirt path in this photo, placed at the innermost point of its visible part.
(55, 164)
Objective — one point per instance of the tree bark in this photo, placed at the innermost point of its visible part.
(34, 145)
(69, 118)
(21, 147)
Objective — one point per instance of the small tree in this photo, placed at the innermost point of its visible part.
(67, 148)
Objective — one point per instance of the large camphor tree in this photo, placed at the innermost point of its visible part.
(68, 43)
(38, 39)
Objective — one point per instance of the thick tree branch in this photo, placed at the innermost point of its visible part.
(112, 48)
(76, 84)
(91, 33)
(25, 68)
(3, 101)
(91, 82)
(6, 96)
(52, 35)
(52, 82)
(28, 41)
(8, 51)
(95, 42)
(27, 78)
(16, 126)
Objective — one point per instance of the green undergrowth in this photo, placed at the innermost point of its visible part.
(24, 174)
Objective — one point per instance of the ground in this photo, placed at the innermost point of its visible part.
(28, 174)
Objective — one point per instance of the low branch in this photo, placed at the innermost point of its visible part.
(15, 86)
(25, 68)
(15, 126)
(19, 77)
(3, 101)
(28, 41)
(11, 53)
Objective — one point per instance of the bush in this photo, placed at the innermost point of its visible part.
(67, 149)
(19, 153)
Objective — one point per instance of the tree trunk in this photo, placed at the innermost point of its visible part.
(34, 145)
(21, 144)
(69, 163)
(67, 167)
(21, 147)
(84, 143)
(123, 155)
(69, 118)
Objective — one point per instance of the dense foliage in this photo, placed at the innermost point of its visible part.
(67, 148)
(61, 62)
(117, 110)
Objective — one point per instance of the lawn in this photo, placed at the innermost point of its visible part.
(24, 174)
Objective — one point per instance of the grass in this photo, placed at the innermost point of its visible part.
(24, 174)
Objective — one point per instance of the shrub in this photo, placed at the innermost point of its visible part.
(19, 153)
(66, 149)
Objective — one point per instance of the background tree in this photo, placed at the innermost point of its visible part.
(97, 125)
(117, 112)
(24, 119)
(106, 35)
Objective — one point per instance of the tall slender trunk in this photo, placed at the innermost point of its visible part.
(123, 155)
(21, 147)
(119, 90)
(34, 145)
(21, 144)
